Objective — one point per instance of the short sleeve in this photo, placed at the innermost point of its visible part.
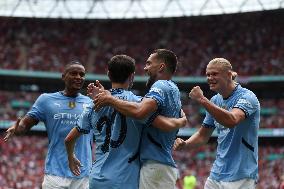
(38, 109)
(156, 92)
(248, 103)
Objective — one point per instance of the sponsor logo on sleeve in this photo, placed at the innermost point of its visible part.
(157, 90)
(245, 102)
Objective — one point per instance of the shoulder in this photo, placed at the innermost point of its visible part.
(247, 98)
(164, 85)
(133, 97)
(247, 94)
(46, 95)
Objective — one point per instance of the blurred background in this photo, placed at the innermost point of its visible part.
(39, 37)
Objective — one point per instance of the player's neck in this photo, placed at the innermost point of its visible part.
(164, 76)
(229, 90)
(70, 93)
(120, 85)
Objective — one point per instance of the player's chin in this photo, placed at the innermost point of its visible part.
(77, 86)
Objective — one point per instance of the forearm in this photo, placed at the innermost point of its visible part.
(126, 108)
(21, 130)
(69, 145)
(133, 109)
(195, 141)
(25, 125)
(70, 141)
(221, 115)
(169, 124)
(199, 138)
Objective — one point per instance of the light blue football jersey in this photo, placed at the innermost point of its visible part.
(60, 114)
(156, 144)
(117, 138)
(237, 151)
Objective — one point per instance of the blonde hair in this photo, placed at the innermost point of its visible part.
(224, 64)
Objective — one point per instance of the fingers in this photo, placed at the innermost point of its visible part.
(90, 85)
(75, 165)
(98, 102)
(99, 85)
(195, 93)
(101, 100)
(179, 143)
(11, 131)
(76, 170)
(7, 136)
(90, 89)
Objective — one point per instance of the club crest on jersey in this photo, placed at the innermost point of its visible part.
(72, 104)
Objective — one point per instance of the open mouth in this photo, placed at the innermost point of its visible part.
(212, 84)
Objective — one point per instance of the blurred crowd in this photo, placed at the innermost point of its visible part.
(22, 163)
(198, 162)
(253, 42)
(15, 105)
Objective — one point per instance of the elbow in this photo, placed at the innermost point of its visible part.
(232, 122)
(67, 140)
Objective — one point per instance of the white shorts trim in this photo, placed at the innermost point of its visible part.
(240, 184)
(56, 182)
(154, 175)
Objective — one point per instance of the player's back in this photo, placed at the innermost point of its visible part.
(117, 144)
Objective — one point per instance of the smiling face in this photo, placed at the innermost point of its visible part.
(219, 77)
(74, 77)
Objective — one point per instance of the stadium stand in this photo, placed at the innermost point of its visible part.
(252, 41)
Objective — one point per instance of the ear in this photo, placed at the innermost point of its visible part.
(162, 67)
(234, 75)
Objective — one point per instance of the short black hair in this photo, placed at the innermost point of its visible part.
(71, 63)
(168, 57)
(120, 67)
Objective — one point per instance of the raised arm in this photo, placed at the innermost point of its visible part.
(70, 140)
(20, 127)
(227, 118)
(169, 124)
(132, 109)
